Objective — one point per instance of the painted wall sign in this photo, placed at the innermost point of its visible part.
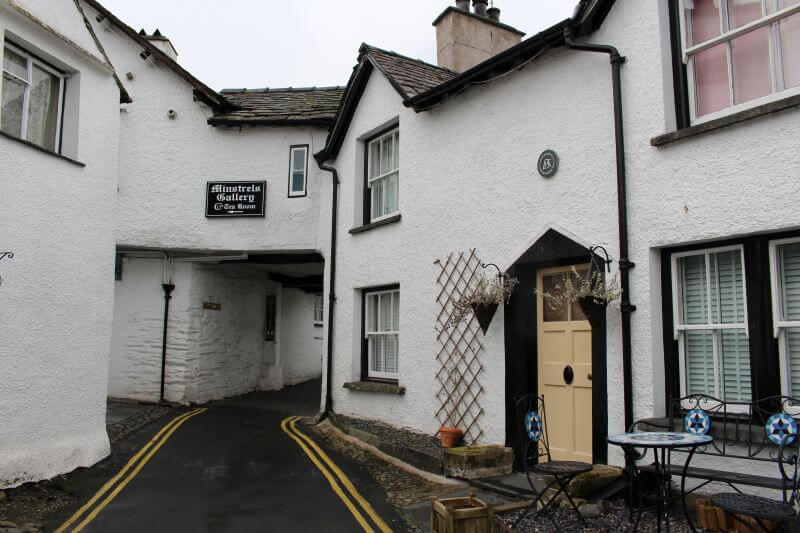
(548, 164)
(235, 198)
(212, 306)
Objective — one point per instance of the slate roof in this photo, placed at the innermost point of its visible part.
(284, 106)
(408, 76)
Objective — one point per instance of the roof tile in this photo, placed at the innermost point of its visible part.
(307, 105)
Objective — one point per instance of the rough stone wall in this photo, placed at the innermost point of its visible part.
(57, 290)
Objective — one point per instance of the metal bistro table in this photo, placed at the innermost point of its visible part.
(661, 443)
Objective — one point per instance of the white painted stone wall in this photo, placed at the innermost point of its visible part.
(301, 349)
(57, 291)
(468, 179)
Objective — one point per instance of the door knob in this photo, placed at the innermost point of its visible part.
(589, 377)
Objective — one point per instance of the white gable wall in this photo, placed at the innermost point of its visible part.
(57, 290)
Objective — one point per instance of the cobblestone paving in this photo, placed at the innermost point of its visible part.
(123, 428)
(402, 487)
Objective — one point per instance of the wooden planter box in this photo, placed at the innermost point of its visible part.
(459, 515)
(712, 518)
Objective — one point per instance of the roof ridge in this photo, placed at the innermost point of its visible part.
(401, 56)
(281, 89)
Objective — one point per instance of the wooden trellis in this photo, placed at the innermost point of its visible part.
(459, 367)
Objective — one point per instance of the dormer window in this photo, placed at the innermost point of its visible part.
(383, 175)
(32, 99)
(739, 53)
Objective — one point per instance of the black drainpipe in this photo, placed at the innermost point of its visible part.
(331, 287)
(622, 203)
(168, 288)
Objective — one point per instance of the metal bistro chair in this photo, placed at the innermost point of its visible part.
(530, 409)
(781, 430)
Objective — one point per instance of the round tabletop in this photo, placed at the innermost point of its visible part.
(659, 439)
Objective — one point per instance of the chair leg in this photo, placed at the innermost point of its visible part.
(563, 488)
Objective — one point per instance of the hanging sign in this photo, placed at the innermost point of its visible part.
(548, 164)
(235, 198)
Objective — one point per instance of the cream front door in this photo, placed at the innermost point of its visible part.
(565, 370)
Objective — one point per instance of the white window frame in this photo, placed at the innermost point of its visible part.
(678, 328)
(776, 63)
(367, 333)
(292, 170)
(394, 132)
(779, 324)
(31, 61)
(319, 310)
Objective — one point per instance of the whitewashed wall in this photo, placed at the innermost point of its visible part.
(468, 179)
(57, 291)
(301, 348)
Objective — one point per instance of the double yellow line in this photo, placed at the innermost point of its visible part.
(134, 465)
(302, 440)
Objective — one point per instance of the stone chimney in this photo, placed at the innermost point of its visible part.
(161, 42)
(464, 38)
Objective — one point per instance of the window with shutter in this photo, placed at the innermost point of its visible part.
(710, 317)
(382, 332)
(785, 276)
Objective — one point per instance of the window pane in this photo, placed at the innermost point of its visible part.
(299, 159)
(396, 312)
(13, 96)
(735, 359)
(553, 285)
(396, 150)
(377, 198)
(391, 194)
(577, 311)
(387, 154)
(298, 181)
(789, 265)
(743, 11)
(372, 313)
(727, 288)
(711, 80)
(792, 351)
(374, 159)
(752, 77)
(391, 353)
(376, 349)
(386, 312)
(692, 276)
(43, 108)
(15, 64)
(699, 350)
(790, 50)
(704, 20)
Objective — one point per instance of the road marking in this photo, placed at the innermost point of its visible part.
(383, 526)
(331, 480)
(155, 443)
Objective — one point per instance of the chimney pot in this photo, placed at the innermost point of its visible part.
(494, 13)
(463, 5)
(479, 6)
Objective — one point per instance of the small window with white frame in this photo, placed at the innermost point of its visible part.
(739, 53)
(383, 175)
(382, 333)
(710, 321)
(785, 277)
(298, 170)
(32, 101)
(319, 310)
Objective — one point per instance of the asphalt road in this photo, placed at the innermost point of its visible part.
(232, 468)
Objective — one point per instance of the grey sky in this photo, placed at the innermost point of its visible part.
(271, 43)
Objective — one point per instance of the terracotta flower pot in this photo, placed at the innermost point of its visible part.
(450, 436)
(594, 311)
(484, 313)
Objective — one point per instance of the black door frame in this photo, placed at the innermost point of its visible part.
(521, 361)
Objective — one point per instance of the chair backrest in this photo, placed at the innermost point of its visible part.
(532, 417)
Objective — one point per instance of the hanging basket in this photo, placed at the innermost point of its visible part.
(594, 311)
(484, 313)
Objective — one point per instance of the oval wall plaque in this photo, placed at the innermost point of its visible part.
(548, 164)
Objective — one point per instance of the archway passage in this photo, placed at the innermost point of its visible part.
(528, 358)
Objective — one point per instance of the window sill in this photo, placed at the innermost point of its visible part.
(373, 225)
(45, 150)
(375, 386)
(734, 118)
